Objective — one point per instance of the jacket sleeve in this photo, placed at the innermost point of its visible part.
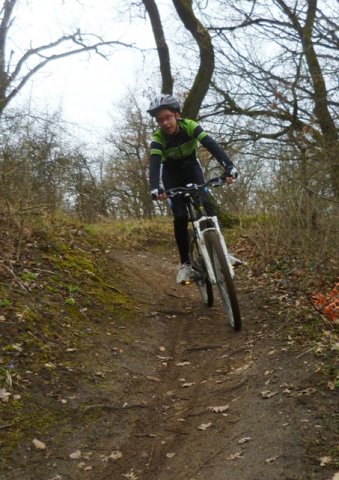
(154, 171)
(155, 164)
(214, 148)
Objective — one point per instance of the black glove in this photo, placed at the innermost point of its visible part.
(231, 172)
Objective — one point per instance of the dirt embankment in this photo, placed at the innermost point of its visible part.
(141, 381)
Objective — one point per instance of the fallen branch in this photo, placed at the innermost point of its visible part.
(108, 406)
(16, 278)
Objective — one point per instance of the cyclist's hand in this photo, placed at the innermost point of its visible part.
(158, 194)
(231, 174)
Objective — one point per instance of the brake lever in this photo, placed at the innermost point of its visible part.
(218, 182)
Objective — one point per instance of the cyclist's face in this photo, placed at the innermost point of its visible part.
(167, 121)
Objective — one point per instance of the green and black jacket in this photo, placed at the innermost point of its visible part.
(180, 150)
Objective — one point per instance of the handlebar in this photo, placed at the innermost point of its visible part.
(193, 187)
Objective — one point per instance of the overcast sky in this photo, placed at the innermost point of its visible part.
(85, 86)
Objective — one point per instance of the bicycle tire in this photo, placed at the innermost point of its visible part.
(224, 279)
(201, 281)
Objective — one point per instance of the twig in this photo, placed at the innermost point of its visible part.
(150, 458)
(34, 269)
(114, 407)
(323, 317)
(281, 327)
(305, 352)
(190, 475)
(6, 426)
(203, 347)
(17, 279)
(312, 191)
(179, 413)
(173, 295)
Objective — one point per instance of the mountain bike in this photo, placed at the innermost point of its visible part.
(210, 259)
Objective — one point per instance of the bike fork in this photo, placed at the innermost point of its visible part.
(203, 248)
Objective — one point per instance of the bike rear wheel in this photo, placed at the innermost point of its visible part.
(224, 279)
(201, 279)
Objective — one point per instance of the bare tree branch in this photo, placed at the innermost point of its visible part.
(13, 80)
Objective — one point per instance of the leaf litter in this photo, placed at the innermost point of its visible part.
(219, 409)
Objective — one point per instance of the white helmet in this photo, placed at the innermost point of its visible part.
(163, 101)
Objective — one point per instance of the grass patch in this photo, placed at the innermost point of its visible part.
(134, 233)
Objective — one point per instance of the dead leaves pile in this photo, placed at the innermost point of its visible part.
(327, 304)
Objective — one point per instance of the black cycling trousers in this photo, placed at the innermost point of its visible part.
(180, 177)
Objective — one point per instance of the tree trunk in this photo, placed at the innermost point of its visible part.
(321, 107)
(204, 76)
(163, 52)
(6, 12)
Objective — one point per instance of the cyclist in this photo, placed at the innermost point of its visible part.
(174, 151)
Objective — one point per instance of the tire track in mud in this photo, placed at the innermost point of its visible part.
(196, 377)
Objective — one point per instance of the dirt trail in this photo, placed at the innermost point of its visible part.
(185, 397)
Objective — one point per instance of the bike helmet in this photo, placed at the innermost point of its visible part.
(163, 101)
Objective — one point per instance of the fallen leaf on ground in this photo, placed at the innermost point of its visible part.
(38, 444)
(271, 459)
(153, 379)
(115, 455)
(325, 461)
(300, 393)
(130, 476)
(222, 408)
(268, 394)
(4, 395)
(17, 347)
(205, 426)
(75, 455)
(235, 456)
(50, 365)
(244, 440)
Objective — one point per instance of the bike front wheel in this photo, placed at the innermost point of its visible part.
(200, 273)
(224, 279)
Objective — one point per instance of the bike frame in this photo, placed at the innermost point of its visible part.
(194, 205)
